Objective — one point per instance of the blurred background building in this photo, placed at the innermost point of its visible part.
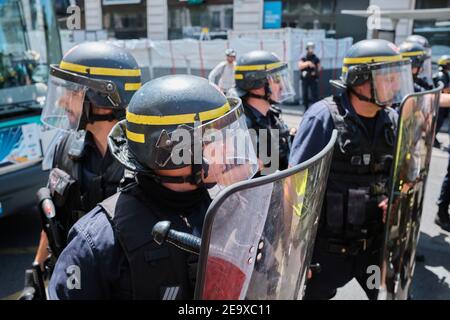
(176, 19)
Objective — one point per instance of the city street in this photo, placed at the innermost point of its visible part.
(19, 237)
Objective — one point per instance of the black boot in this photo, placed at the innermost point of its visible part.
(443, 219)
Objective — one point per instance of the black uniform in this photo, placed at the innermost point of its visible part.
(444, 197)
(257, 121)
(310, 80)
(349, 237)
(114, 249)
(443, 77)
(92, 177)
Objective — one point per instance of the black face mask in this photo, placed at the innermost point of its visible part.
(166, 198)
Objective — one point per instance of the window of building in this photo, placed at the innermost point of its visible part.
(126, 21)
(188, 20)
(309, 14)
(437, 33)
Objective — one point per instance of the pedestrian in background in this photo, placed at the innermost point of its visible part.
(223, 74)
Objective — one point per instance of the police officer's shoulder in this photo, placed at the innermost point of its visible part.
(95, 228)
(318, 110)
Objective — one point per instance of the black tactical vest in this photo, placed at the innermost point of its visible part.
(275, 122)
(70, 201)
(156, 272)
(359, 174)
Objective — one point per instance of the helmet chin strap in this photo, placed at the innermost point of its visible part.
(365, 98)
(195, 178)
(265, 97)
(87, 117)
(101, 117)
(416, 74)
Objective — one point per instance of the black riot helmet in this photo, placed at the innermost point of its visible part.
(379, 62)
(262, 69)
(416, 53)
(444, 62)
(419, 39)
(91, 74)
(181, 120)
(426, 72)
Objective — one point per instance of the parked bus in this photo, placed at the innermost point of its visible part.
(29, 42)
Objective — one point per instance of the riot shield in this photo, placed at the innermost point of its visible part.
(258, 234)
(416, 130)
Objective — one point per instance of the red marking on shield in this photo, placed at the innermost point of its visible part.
(223, 281)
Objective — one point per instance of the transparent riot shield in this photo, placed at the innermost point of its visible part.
(259, 234)
(416, 130)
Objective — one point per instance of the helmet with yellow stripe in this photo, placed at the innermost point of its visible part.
(415, 52)
(380, 63)
(262, 69)
(444, 62)
(169, 125)
(90, 75)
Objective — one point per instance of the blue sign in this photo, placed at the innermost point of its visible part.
(272, 14)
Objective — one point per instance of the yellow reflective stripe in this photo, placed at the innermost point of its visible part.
(136, 137)
(259, 67)
(99, 71)
(372, 59)
(301, 180)
(132, 86)
(177, 119)
(413, 53)
(238, 76)
(397, 153)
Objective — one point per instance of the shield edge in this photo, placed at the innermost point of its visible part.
(210, 214)
(383, 293)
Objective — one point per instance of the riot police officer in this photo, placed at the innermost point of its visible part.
(349, 239)
(417, 54)
(262, 80)
(426, 72)
(443, 218)
(178, 138)
(443, 74)
(309, 66)
(87, 94)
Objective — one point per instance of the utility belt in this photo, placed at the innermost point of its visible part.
(349, 248)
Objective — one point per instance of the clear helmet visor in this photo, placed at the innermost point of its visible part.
(228, 152)
(222, 146)
(392, 82)
(64, 104)
(280, 85)
(426, 71)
